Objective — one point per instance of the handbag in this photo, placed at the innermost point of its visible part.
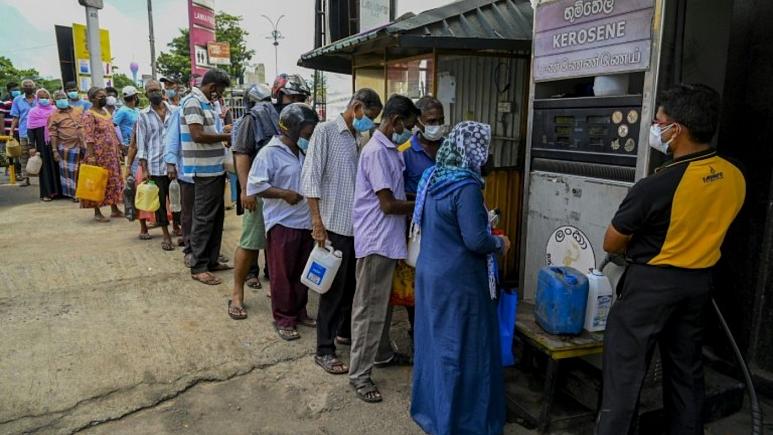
(13, 149)
(92, 182)
(34, 164)
(403, 291)
(414, 244)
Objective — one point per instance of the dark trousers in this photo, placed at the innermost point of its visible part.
(186, 214)
(207, 227)
(656, 306)
(163, 193)
(335, 307)
(288, 250)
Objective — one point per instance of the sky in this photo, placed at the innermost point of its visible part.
(27, 34)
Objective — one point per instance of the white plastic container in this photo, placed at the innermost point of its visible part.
(321, 268)
(174, 196)
(600, 296)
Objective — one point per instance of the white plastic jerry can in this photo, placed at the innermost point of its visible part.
(321, 268)
(600, 296)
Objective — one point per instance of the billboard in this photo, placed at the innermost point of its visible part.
(201, 22)
(219, 53)
(83, 71)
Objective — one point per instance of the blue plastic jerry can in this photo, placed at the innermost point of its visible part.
(562, 294)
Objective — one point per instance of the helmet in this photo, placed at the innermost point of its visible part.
(258, 93)
(294, 117)
(289, 85)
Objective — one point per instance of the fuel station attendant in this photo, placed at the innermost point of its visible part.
(670, 228)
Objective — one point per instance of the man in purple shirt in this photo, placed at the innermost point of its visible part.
(379, 219)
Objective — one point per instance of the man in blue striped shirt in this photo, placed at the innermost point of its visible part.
(203, 155)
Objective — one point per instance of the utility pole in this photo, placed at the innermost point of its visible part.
(276, 36)
(92, 38)
(152, 41)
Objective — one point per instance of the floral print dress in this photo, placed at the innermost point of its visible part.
(99, 131)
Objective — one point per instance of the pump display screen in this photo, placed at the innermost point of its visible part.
(592, 130)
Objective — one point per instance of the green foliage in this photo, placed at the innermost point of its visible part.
(228, 28)
(175, 62)
(9, 73)
(120, 80)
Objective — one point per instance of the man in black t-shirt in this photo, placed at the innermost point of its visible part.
(670, 228)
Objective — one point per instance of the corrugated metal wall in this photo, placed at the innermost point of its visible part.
(482, 83)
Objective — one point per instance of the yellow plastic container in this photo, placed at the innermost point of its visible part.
(147, 197)
(92, 182)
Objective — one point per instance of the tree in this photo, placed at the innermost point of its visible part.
(228, 29)
(176, 62)
(120, 80)
(9, 73)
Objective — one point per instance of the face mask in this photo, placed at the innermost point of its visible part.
(656, 138)
(15, 93)
(156, 99)
(111, 100)
(171, 93)
(62, 104)
(28, 92)
(363, 124)
(433, 133)
(73, 95)
(101, 102)
(303, 144)
(401, 138)
(44, 102)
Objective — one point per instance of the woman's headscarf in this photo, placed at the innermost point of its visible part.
(457, 164)
(38, 116)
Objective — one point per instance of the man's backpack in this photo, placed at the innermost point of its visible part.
(263, 125)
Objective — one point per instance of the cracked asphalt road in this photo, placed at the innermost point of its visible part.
(104, 333)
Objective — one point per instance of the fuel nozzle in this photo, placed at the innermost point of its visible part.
(617, 259)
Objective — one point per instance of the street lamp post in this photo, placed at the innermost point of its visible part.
(276, 36)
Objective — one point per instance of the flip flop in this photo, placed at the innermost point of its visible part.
(308, 322)
(144, 236)
(286, 334)
(331, 364)
(209, 280)
(236, 313)
(254, 283)
(220, 267)
(167, 246)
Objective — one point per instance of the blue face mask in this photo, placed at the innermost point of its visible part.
(171, 93)
(15, 93)
(73, 95)
(44, 101)
(62, 104)
(303, 144)
(401, 138)
(363, 124)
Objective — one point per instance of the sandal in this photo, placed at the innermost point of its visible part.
(367, 392)
(342, 341)
(286, 334)
(180, 242)
(166, 245)
(101, 219)
(307, 322)
(144, 236)
(397, 359)
(220, 267)
(206, 278)
(331, 364)
(236, 313)
(254, 283)
(117, 214)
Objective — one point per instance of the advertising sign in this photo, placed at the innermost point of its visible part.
(201, 22)
(219, 53)
(373, 13)
(81, 54)
(576, 38)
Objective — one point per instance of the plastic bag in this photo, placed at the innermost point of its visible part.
(13, 149)
(147, 197)
(128, 199)
(403, 292)
(228, 162)
(92, 182)
(508, 304)
(34, 164)
(414, 245)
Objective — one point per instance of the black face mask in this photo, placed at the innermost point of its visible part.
(28, 92)
(101, 102)
(155, 99)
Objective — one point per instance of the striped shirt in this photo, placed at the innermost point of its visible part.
(150, 138)
(329, 173)
(200, 159)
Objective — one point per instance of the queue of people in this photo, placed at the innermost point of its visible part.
(347, 182)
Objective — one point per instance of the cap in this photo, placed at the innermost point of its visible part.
(167, 80)
(129, 91)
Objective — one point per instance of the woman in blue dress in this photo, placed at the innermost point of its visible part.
(457, 373)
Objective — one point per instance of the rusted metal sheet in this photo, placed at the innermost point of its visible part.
(503, 191)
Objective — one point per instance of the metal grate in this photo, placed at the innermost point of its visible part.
(594, 170)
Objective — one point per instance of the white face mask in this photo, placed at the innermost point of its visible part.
(434, 133)
(656, 138)
(111, 100)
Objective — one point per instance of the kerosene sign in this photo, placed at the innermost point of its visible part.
(575, 38)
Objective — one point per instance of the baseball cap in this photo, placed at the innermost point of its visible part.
(166, 80)
(129, 91)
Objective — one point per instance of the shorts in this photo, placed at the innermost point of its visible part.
(253, 229)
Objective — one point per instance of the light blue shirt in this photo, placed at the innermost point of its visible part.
(85, 105)
(172, 150)
(20, 109)
(125, 118)
(277, 166)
